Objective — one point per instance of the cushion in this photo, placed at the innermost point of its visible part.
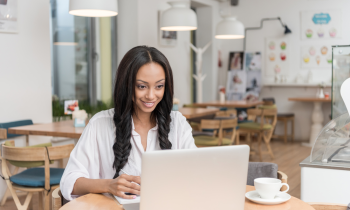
(258, 170)
(29, 164)
(35, 177)
(15, 124)
(285, 115)
(202, 133)
(210, 141)
(254, 126)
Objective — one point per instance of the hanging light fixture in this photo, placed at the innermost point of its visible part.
(229, 28)
(93, 8)
(179, 17)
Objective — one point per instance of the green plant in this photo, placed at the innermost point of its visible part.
(58, 107)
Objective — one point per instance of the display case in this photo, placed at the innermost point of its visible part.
(340, 72)
(325, 173)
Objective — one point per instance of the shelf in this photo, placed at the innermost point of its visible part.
(293, 85)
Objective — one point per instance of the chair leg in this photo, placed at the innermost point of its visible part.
(31, 205)
(267, 142)
(6, 195)
(41, 207)
(285, 122)
(47, 197)
(292, 129)
(259, 146)
(237, 137)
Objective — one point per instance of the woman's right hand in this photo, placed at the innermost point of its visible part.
(125, 184)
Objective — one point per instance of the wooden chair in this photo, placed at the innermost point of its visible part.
(263, 129)
(285, 118)
(42, 180)
(226, 113)
(217, 126)
(57, 199)
(328, 206)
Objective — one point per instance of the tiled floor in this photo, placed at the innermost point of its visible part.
(287, 157)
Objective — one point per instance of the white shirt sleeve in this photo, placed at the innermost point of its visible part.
(186, 133)
(82, 160)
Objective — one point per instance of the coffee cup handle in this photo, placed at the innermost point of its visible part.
(285, 184)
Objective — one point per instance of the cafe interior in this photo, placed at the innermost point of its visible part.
(269, 74)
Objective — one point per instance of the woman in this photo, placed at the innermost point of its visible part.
(108, 155)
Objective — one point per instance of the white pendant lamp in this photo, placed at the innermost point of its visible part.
(179, 17)
(93, 8)
(229, 28)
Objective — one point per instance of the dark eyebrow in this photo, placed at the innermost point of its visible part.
(147, 82)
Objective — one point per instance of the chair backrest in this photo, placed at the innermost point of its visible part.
(6, 126)
(229, 123)
(328, 206)
(210, 124)
(264, 115)
(36, 153)
(227, 113)
(261, 169)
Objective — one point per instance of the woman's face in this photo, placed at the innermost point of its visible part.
(150, 85)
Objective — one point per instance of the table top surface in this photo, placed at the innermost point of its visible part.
(58, 129)
(106, 201)
(189, 112)
(67, 129)
(310, 99)
(230, 104)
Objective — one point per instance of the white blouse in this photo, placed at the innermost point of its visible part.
(93, 155)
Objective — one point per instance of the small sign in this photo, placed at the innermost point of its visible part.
(321, 18)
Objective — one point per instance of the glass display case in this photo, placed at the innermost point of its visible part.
(340, 72)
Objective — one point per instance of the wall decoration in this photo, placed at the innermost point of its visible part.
(321, 24)
(166, 38)
(235, 61)
(318, 56)
(252, 61)
(236, 82)
(277, 56)
(69, 106)
(8, 16)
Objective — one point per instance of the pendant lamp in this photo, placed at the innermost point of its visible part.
(179, 17)
(229, 28)
(93, 8)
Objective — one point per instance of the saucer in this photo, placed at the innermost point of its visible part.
(255, 197)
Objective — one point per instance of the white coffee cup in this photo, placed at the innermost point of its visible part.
(268, 188)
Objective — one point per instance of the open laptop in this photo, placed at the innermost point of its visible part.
(205, 178)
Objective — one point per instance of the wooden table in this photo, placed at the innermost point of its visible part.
(67, 129)
(316, 117)
(191, 113)
(104, 202)
(57, 129)
(230, 104)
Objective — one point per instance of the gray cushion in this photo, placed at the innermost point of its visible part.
(258, 169)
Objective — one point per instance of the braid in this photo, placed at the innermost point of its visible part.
(163, 128)
(122, 145)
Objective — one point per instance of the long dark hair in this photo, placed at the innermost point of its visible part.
(124, 90)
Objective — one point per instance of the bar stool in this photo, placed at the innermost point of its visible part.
(285, 118)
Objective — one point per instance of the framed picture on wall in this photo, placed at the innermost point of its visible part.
(166, 38)
(236, 61)
(8, 16)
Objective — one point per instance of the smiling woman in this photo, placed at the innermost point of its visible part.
(108, 155)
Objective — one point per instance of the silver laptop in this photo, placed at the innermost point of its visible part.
(204, 178)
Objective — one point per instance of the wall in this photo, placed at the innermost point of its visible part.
(25, 70)
(289, 11)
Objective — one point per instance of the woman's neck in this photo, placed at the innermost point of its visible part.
(143, 119)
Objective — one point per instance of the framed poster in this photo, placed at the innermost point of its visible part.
(316, 56)
(277, 56)
(321, 24)
(8, 16)
(236, 61)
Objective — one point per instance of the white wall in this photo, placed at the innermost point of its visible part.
(25, 68)
(138, 25)
(250, 12)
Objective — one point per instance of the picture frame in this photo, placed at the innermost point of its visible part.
(8, 16)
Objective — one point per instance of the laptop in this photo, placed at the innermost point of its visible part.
(204, 178)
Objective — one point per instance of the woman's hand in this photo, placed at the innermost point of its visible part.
(125, 184)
